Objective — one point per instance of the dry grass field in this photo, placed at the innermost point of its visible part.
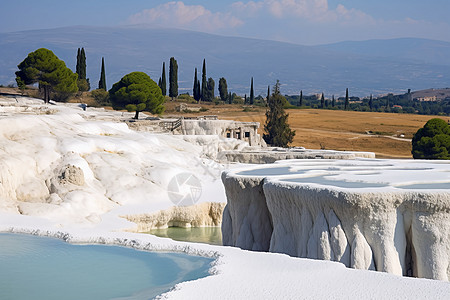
(390, 134)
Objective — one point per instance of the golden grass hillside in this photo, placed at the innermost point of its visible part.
(386, 134)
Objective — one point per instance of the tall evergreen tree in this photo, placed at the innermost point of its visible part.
(159, 83)
(252, 94)
(173, 78)
(245, 99)
(204, 82)
(82, 73)
(268, 94)
(230, 98)
(102, 81)
(346, 100)
(196, 88)
(322, 101)
(77, 68)
(300, 101)
(163, 85)
(209, 93)
(223, 89)
(82, 82)
(333, 102)
(278, 133)
(371, 102)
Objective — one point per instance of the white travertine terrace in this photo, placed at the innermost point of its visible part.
(385, 215)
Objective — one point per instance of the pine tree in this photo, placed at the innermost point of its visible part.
(45, 68)
(163, 85)
(300, 101)
(204, 82)
(252, 94)
(173, 78)
(346, 100)
(137, 92)
(322, 101)
(278, 132)
(102, 81)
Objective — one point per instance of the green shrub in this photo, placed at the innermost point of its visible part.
(432, 141)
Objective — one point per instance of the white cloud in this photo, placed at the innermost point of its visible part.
(312, 10)
(177, 14)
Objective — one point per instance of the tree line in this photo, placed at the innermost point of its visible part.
(402, 103)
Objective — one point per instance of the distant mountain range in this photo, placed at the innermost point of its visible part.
(374, 66)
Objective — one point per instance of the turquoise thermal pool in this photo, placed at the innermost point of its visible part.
(34, 267)
(205, 235)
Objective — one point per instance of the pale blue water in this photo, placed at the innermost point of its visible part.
(45, 268)
(427, 186)
(338, 183)
(206, 235)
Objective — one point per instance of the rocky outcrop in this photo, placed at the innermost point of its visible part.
(200, 215)
(367, 217)
(256, 155)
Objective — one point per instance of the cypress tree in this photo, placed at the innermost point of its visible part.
(102, 81)
(252, 94)
(163, 80)
(82, 82)
(199, 93)
(173, 78)
(300, 101)
(82, 64)
(333, 102)
(159, 84)
(230, 98)
(371, 102)
(245, 99)
(211, 85)
(204, 82)
(196, 88)
(223, 89)
(388, 103)
(78, 62)
(268, 94)
(278, 132)
(322, 101)
(346, 100)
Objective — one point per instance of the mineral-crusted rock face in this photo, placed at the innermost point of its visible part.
(350, 216)
(246, 223)
(200, 215)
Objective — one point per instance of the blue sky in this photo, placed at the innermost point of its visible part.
(306, 22)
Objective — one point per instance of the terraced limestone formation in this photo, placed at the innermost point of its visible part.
(385, 215)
